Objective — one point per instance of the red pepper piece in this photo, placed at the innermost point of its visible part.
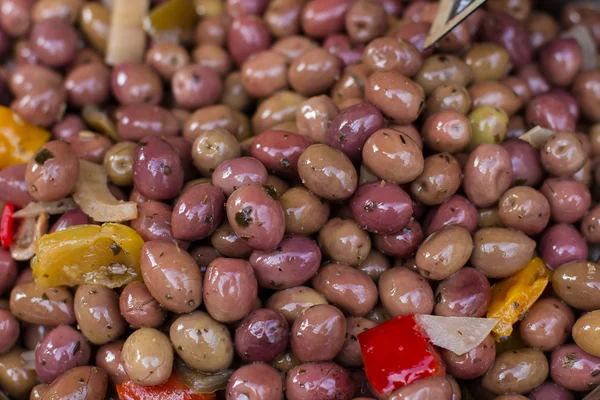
(173, 389)
(397, 353)
(6, 225)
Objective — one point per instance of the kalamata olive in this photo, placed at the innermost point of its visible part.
(9, 331)
(44, 306)
(398, 97)
(525, 161)
(139, 308)
(293, 262)
(507, 31)
(318, 333)
(255, 382)
(171, 275)
(347, 288)
(71, 384)
(63, 348)
(505, 375)
(323, 18)
(487, 174)
(585, 332)
(574, 369)
(547, 324)
(198, 212)
(8, 269)
(569, 200)
(53, 172)
(108, 358)
(256, 217)
(550, 390)
(279, 151)
(473, 363)
(305, 213)
(457, 210)
(501, 252)
(157, 169)
(13, 187)
(467, 293)
(561, 244)
(381, 207)
(262, 336)
(525, 209)
(563, 154)
(403, 291)
(401, 244)
(229, 289)
(440, 179)
(327, 172)
(247, 35)
(351, 128)
(444, 252)
(392, 155)
(323, 380)
(136, 83)
(574, 283)
(344, 241)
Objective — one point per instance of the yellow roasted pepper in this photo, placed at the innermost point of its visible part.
(107, 255)
(19, 140)
(514, 296)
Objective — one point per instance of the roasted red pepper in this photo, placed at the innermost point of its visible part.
(6, 225)
(397, 353)
(173, 389)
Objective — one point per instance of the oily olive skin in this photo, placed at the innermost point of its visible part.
(571, 368)
(444, 252)
(52, 306)
(381, 207)
(344, 241)
(62, 349)
(318, 333)
(327, 172)
(76, 381)
(500, 252)
(97, 313)
(52, 173)
(403, 291)
(508, 372)
(229, 289)
(262, 336)
(466, 293)
(198, 212)
(328, 379)
(256, 217)
(211, 350)
(147, 357)
(547, 325)
(573, 282)
(392, 155)
(172, 276)
(347, 288)
(294, 301)
(293, 262)
(474, 363)
(139, 308)
(255, 381)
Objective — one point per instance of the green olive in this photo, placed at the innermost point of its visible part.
(285, 361)
(488, 125)
(118, 163)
